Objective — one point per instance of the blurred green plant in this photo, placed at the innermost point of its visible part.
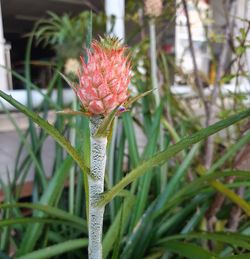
(65, 33)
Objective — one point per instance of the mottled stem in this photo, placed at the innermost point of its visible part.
(96, 187)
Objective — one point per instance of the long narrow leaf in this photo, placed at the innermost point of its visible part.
(237, 240)
(243, 256)
(23, 221)
(56, 249)
(48, 210)
(112, 234)
(49, 197)
(188, 250)
(52, 131)
(163, 156)
(243, 204)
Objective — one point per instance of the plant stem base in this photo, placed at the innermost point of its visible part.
(96, 187)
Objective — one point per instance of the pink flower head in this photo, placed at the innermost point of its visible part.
(103, 81)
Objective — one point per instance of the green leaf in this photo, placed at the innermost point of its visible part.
(163, 156)
(243, 256)
(196, 218)
(145, 181)
(130, 135)
(137, 241)
(68, 81)
(120, 221)
(177, 219)
(232, 151)
(240, 50)
(107, 122)
(85, 121)
(71, 112)
(105, 125)
(58, 213)
(89, 29)
(243, 204)
(49, 197)
(30, 149)
(195, 187)
(86, 158)
(22, 221)
(188, 250)
(236, 240)
(33, 86)
(136, 98)
(170, 188)
(52, 131)
(56, 249)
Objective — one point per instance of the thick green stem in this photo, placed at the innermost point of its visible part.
(96, 187)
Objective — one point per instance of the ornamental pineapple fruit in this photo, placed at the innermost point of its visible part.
(104, 79)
